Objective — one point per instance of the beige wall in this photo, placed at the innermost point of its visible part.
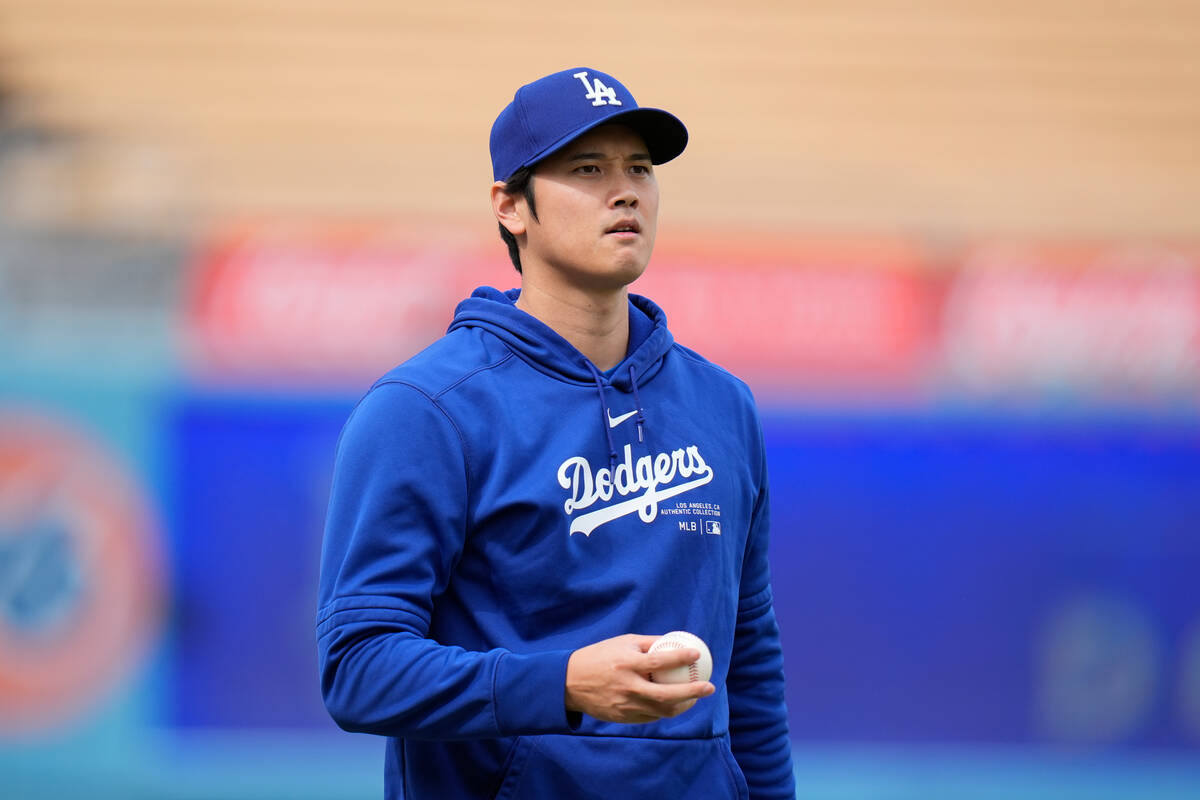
(1067, 117)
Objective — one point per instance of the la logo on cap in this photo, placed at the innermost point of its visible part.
(597, 92)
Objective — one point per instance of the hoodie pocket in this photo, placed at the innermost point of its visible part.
(603, 767)
(513, 768)
(735, 771)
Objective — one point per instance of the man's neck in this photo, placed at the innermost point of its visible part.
(596, 323)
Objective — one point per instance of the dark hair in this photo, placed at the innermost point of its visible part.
(520, 182)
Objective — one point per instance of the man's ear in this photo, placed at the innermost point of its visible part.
(507, 210)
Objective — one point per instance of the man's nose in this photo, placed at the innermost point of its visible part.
(625, 195)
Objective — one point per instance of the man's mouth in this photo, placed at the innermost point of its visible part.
(626, 227)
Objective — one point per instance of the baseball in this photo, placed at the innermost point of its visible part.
(699, 670)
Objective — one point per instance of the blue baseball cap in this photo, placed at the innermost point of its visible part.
(549, 113)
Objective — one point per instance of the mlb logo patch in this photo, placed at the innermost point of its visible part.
(712, 526)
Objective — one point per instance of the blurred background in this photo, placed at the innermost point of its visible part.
(953, 246)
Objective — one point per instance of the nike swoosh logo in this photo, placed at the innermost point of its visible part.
(615, 421)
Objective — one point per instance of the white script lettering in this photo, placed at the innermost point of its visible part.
(649, 474)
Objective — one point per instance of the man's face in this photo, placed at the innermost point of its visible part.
(597, 207)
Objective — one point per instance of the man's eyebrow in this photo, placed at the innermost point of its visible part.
(602, 156)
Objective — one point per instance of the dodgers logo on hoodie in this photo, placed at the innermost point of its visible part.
(630, 487)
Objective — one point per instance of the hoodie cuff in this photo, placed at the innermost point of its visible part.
(529, 694)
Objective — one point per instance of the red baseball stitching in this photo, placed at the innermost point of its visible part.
(693, 671)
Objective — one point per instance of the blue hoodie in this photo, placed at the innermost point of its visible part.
(498, 503)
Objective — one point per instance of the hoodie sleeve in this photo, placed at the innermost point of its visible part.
(396, 525)
(758, 726)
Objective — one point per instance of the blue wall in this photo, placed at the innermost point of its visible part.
(964, 596)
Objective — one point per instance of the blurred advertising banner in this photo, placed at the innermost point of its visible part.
(1118, 322)
(314, 305)
(810, 316)
(305, 304)
(871, 320)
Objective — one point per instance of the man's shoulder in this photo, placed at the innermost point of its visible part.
(447, 362)
(713, 372)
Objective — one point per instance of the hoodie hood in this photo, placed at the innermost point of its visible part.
(536, 343)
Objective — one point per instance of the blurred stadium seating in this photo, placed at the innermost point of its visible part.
(934, 117)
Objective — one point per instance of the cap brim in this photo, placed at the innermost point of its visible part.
(662, 131)
(664, 134)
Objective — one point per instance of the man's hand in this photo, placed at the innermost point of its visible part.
(607, 680)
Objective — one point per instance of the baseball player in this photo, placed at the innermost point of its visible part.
(519, 510)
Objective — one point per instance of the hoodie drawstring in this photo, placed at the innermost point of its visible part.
(605, 416)
(641, 417)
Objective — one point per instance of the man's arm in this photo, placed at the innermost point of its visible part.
(758, 727)
(394, 531)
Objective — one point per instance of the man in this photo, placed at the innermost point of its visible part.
(513, 507)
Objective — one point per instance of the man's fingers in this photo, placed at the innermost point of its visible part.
(673, 693)
(643, 643)
(669, 659)
(676, 710)
(650, 708)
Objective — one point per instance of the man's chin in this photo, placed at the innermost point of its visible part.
(604, 274)
(623, 275)
(609, 277)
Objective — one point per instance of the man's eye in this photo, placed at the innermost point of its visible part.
(640, 169)
(587, 169)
